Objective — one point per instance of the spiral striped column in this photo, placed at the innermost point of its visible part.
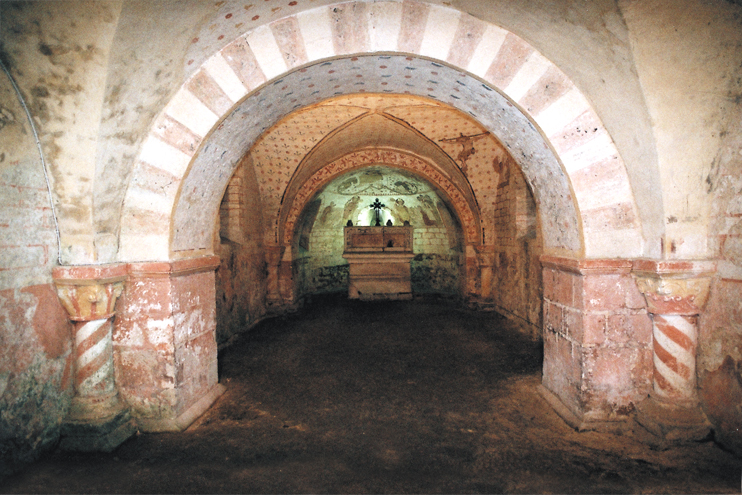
(674, 357)
(98, 419)
(676, 292)
(94, 359)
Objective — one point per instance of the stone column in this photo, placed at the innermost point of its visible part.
(98, 420)
(471, 271)
(273, 257)
(676, 292)
(286, 286)
(486, 259)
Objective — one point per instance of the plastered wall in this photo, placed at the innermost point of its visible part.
(35, 333)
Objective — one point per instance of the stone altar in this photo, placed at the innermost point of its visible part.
(379, 262)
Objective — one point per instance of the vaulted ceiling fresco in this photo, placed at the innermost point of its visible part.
(315, 136)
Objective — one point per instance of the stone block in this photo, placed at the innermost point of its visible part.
(573, 324)
(143, 378)
(559, 372)
(553, 318)
(157, 332)
(618, 328)
(192, 323)
(350, 31)
(640, 326)
(604, 292)
(206, 89)
(176, 134)
(411, 33)
(513, 53)
(189, 291)
(549, 282)
(242, 60)
(568, 289)
(609, 368)
(616, 379)
(148, 296)
(594, 329)
(194, 357)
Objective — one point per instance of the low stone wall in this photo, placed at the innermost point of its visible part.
(435, 274)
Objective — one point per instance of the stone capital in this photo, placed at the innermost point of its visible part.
(89, 292)
(674, 287)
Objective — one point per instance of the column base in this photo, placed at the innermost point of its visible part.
(97, 435)
(184, 420)
(580, 422)
(671, 422)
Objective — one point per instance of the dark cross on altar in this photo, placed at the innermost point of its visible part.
(377, 206)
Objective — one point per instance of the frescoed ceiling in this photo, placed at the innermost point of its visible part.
(317, 135)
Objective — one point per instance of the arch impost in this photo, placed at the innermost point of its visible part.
(185, 266)
(594, 266)
(485, 255)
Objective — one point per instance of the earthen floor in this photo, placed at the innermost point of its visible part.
(399, 397)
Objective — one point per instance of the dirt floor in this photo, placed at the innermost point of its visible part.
(397, 397)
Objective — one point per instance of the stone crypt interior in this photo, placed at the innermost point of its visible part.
(185, 184)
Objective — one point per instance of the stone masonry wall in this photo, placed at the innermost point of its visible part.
(517, 286)
(36, 361)
(241, 277)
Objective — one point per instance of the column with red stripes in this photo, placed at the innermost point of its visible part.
(676, 292)
(98, 419)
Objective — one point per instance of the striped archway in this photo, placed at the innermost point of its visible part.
(580, 184)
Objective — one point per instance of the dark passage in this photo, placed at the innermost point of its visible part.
(402, 397)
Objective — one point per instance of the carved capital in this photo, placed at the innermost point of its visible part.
(90, 301)
(674, 288)
(89, 292)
